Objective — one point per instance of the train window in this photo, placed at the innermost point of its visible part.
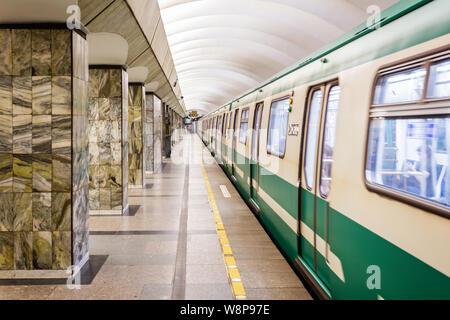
(408, 149)
(439, 82)
(400, 87)
(329, 139)
(312, 136)
(278, 125)
(411, 155)
(244, 126)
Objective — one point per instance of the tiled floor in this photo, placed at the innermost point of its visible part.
(170, 247)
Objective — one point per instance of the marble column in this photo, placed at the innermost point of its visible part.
(108, 140)
(157, 135)
(148, 133)
(136, 143)
(43, 151)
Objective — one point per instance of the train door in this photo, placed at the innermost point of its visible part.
(224, 139)
(254, 161)
(319, 140)
(219, 139)
(233, 146)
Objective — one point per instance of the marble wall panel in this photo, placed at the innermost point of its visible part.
(5, 52)
(42, 211)
(61, 250)
(6, 134)
(6, 90)
(22, 210)
(41, 60)
(41, 95)
(22, 173)
(61, 53)
(23, 250)
(22, 94)
(22, 134)
(6, 250)
(61, 134)
(42, 134)
(42, 173)
(135, 135)
(21, 52)
(6, 173)
(42, 250)
(148, 132)
(61, 95)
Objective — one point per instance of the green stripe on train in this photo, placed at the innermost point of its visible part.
(403, 276)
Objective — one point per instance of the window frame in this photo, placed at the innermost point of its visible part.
(328, 88)
(240, 125)
(422, 110)
(281, 156)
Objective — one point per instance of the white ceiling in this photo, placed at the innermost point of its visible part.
(222, 48)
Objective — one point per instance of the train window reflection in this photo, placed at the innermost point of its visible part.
(411, 156)
(278, 125)
(439, 82)
(311, 140)
(244, 126)
(404, 86)
(329, 140)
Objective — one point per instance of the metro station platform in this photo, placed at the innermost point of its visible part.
(188, 236)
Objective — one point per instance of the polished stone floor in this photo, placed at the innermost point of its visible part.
(168, 248)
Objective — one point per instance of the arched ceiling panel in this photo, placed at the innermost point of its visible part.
(223, 48)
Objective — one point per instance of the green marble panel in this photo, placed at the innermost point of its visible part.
(42, 95)
(116, 153)
(61, 53)
(23, 213)
(6, 250)
(42, 211)
(116, 198)
(104, 109)
(21, 52)
(42, 173)
(22, 134)
(61, 134)
(116, 176)
(22, 93)
(42, 134)
(61, 173)
(105, 153)
(5, 52)
(104, 172)
(6, 94)
(6, 133)
(94, 199)
(6, 172)
(61, 250)
(93, 131)
(116, 131)
(94, 154)
(104, 131)
(22, 173)
(23, 250)
(62, 95)
(93, 109)
(6, 212)
(94, 182)
(104, 83)
(105, 199)
(115, 83)
(94, 82)
(42, 250)
(41, 59)
(116, 108)
(61, 211)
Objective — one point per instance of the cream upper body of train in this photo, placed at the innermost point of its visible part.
(345, 158)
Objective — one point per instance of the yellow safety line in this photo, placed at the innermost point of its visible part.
(233, 272)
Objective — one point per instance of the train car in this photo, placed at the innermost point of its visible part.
(345, 158)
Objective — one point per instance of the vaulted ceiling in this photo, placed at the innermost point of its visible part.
(222, 48)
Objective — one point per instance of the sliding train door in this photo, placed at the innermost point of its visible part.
(233, 146)
(319, 140)
(254, 161)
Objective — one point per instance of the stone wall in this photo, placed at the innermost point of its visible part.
(136, 114)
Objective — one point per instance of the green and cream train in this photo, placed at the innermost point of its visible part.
(345, 157)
